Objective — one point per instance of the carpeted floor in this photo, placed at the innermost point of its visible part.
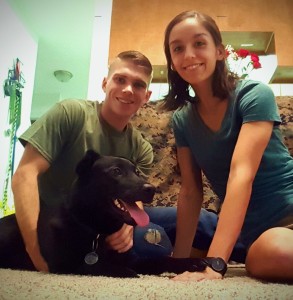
(236, 285)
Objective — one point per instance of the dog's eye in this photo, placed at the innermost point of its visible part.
(137, 172)
(116, 171)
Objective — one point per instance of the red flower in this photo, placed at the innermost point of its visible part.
(241, 62)
(254, 57)
(243, 52)
(256, 64)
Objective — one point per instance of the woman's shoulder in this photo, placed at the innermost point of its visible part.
(256, 101)
(252, 89)
(182, 111)
(183, 116)
(252, 85)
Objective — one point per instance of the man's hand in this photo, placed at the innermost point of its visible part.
(38, 260)
(122, 240)
(207, 274)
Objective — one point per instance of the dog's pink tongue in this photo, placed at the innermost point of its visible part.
(139, 215)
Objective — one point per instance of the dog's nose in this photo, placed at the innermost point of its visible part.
(149, 189)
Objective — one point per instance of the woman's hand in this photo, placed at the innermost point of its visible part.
(122, 240)
(207, 274)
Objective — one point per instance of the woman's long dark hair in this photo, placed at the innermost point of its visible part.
(178, 94)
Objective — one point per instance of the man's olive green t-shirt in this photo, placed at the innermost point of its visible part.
(67, 131)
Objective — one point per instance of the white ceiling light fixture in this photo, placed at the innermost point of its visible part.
(63, 75)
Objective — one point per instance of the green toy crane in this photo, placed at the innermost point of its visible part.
(12, 88)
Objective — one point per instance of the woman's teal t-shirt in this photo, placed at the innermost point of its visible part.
(273, 185)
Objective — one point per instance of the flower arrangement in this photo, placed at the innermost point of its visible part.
(241, 62)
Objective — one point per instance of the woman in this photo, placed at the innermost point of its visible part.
(229, 131)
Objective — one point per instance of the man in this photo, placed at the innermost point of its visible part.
(56, 142)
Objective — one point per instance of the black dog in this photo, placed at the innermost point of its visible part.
(71, 237)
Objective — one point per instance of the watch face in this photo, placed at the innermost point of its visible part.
(217, 264)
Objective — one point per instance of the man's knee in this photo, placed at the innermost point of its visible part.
(151, 241)
(206, 228)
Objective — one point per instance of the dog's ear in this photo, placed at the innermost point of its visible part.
(85, 165)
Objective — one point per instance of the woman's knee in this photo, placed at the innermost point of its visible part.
(270, 253)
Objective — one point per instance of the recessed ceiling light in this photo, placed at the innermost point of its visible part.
(247, 45)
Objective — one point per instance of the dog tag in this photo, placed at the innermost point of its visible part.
(91, 258)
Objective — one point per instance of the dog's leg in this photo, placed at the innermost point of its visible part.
(12, 250)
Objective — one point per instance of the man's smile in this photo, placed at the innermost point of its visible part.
(125, 101)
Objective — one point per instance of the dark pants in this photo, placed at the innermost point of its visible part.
(158, 237)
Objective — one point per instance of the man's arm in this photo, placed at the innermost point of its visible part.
(27, 203)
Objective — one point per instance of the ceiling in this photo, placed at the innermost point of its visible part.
(64, 38)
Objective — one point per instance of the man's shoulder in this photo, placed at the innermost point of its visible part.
(78, 106)
(77, 103)
(137, 134)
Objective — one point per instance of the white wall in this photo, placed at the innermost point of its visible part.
(100, 49)
(48, 100)
(15, 43)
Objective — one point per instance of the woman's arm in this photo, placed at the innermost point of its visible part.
(27, 202)
(189, 203)
(252, 142)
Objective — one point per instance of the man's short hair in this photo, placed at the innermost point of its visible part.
(138, 59)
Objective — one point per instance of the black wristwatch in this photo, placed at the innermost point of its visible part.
(217, 264)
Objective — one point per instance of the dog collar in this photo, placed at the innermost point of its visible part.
(217, 264)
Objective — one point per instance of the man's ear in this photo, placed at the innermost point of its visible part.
(104, 83)
(147, 97)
